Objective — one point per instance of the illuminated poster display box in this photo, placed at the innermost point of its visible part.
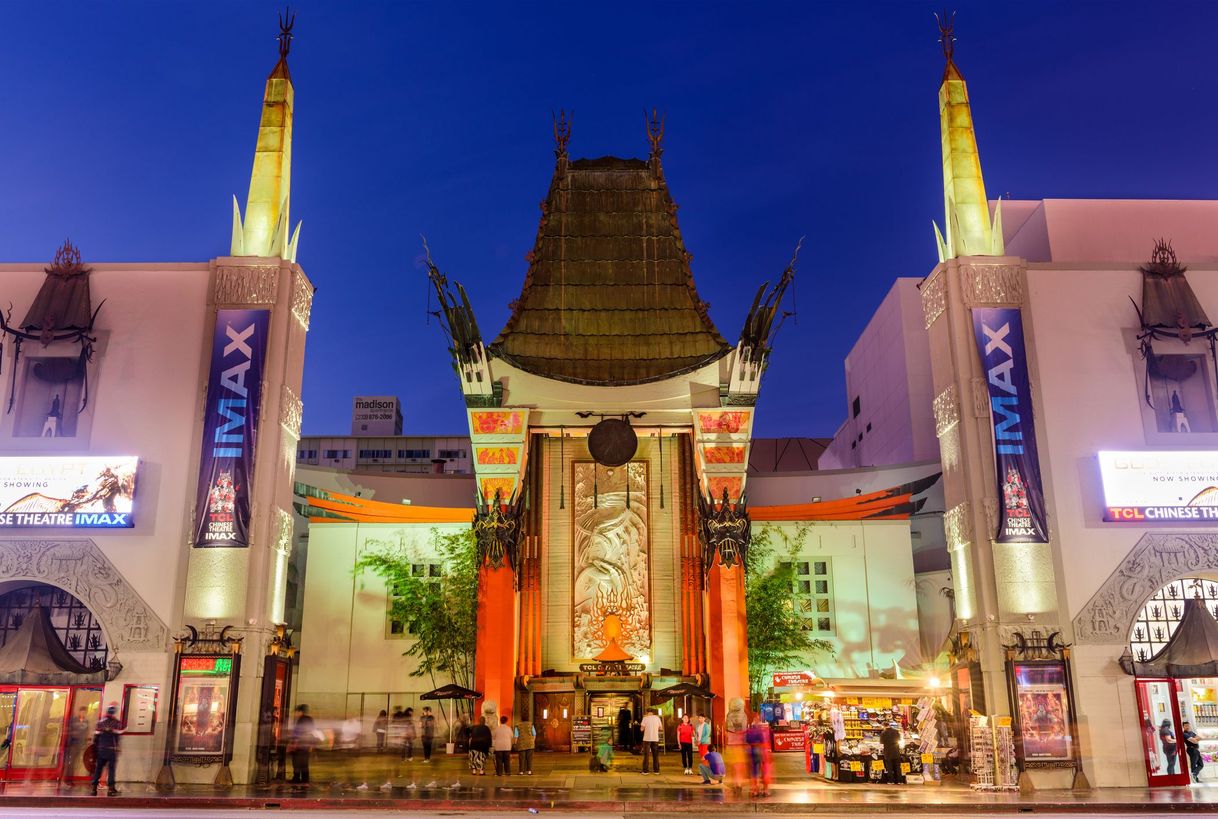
(1147, 487)
(204, 683)
(67, 492)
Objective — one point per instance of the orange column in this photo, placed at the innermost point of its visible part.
(727, 635)
(495, 662)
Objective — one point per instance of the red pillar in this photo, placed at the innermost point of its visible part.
(727, 634)
(495, 662)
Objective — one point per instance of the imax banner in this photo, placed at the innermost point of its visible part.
(230, 422)
(999, 334)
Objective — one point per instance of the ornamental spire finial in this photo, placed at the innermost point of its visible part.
(287, 19)
(947, 37)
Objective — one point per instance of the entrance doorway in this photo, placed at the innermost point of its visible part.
(46, 744)
(605, 709)
(552, 712)
(1159, 715)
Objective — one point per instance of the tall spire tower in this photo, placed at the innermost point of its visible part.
(967, 213)
(265, 229)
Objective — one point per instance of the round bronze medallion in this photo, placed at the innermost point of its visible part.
(612, 442)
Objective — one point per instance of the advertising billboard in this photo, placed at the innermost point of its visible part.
(1145, 487)
(230, 426)
(70, 492)
(376, 415)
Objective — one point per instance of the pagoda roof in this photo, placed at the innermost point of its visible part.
(609, 296)
(34, 655)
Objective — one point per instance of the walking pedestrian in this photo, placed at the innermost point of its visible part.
(890, 741)
(651, 726)
(78, 739)
(757, 736)
(105, 745)
(427, 732)
(479, 745)
(1192, 746)
(380, 727)
(526, 740)
(685, 738)
(408, 735)
(501, 740)
(304, 738)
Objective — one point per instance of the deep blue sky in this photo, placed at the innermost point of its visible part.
(128, 126)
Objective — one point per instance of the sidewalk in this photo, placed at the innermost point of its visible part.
(562, 781)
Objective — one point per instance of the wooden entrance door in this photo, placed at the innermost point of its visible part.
(552, 712)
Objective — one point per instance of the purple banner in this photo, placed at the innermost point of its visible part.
(999, 334)
(230, 424)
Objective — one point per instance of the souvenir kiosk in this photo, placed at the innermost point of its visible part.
(1178, 684)
(43, 689)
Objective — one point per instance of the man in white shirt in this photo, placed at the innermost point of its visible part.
(652, 728)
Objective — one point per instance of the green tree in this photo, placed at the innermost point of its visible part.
(777, 642)
(440, 614)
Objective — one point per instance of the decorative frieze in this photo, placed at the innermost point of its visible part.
(982, 284)
(1156, 560)
(991, 512)
(80, 567)
(949, 449)
(957, 527)
(934, 298)
(283, 531)
(947, 410)
(302, 298)
(255, 284)
(291, 411)
(981, 397)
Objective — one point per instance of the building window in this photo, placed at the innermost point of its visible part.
(80, 634)
(336, 454)
(1159, 618)
(452, 454)
(376, 453)
(414, 453)
(306, 455)
(50, 397)
(856, 407)
(397, 628)
(813, 594)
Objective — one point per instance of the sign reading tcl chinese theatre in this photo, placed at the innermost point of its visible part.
(234, 396)
(1000, 342)
(1145, 487)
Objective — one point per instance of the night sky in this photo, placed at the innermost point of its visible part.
(129, 126)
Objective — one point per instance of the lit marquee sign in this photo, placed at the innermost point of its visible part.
(1142, 487)
(67, 492)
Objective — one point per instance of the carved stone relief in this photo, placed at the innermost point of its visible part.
(302, 298)
(80, 567)
(283, 531)
(981, 398)
(934, 298)
(1154, 561)
(947, 410)
(991, 512)
(256, 284)
(991, 284)
(957, 526)
(291, 411)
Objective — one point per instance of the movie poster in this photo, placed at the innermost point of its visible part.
(1044, 716)
(203, 694)
(230, 425)
(1000, 342)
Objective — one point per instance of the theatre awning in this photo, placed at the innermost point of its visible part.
(34, 655)
(1191, 652)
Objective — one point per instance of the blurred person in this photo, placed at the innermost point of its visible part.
(105, 744)
(602, 760)
(479, 744)
(408, 735)
(304, 739)
(890, 742)
(78, 740)
(501, 741)
(757, 737)
(380, 727)
(427, 732)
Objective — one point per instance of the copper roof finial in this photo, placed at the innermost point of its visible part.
(947, 39)
(655, 131)
(286, 20)
(562, 131)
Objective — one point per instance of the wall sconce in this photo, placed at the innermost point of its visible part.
(545, 713)
(113, 668)
(679, 712)
(564, 713)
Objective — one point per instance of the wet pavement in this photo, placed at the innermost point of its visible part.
(561, 782)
